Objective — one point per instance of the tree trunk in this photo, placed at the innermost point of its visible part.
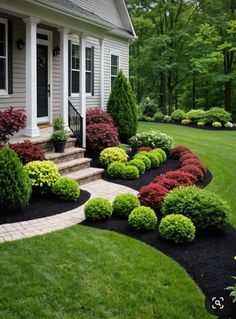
(193, 91)
(228, 97)
(228, 62)
(163, 93)
(170, 96)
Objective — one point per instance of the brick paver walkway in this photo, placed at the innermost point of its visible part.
(99, 188)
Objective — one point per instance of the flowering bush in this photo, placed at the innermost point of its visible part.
(194, 170)
(11, 121)
(96, 115)
(27, 151)
(152, 195)
(112, 154)
(178, 150)
(229, 125)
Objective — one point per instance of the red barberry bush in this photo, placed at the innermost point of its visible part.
(178, 150)
(187, 155)
(95, 115)
(194, 170)
(195, 162)
(144, 149)
(27, 151)
(169, 183)
(183, 178)
(11, 121)
(152, 195)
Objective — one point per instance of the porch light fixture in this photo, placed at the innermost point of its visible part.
(56, 51)
(20, 44)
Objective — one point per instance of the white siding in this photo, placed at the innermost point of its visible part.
(56, 78)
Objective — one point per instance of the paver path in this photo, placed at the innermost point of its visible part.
(19, 230)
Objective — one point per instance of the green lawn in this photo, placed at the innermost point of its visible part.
(217, 149)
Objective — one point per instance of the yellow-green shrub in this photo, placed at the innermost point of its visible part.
(112, 154)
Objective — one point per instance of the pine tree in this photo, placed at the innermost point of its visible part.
(122, 107)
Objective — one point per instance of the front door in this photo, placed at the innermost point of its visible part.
(42, 83)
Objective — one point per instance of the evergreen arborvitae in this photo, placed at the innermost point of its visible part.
(15, 186)
(122, 107)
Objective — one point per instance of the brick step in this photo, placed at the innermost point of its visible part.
(47, 144)
(70, 153)
(86, 175)
(73, 165)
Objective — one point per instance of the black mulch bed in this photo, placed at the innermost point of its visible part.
(43, 206)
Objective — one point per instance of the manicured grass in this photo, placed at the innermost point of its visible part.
(217, 149)
(86, 273)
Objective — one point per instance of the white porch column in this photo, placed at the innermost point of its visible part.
(101, 42)
(82, 87)
(64, 34)
(31, 128)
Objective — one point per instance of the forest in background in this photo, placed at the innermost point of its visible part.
(184, 54)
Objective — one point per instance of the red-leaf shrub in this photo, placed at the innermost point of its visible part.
(178, 150)
(11, 121)
(183, 178)
(194, 170)
(96, 115)
(186, 156)
(27, 151)
(152, 195)
(168, 183)
(100, 136)
(194, 162)
(144, 149)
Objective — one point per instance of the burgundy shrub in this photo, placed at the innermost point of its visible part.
(100, 136)
(195, 162)
(144, 149)
(95, 115)
(168, 183)
(194, 170)
(27, 151)
(178, 150)
(186, 156)
(152, 195)
(11, 121)
(183, 178)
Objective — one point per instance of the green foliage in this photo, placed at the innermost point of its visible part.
(158, 116)
(124, 204)
(122, 107)
(97, 208)
(177, 228)
(66, 188)
(205, 209)
(217, 114)
(43, 174)
(161, 152)
(131, 172)
(154, 158)
(15, 187)
(112, 154)
(143, 218)
(216, 124)
(166, 119)
(200, 124)
(145, 160)
(59, 133)
(120, 170)
(148, 107)
(178, 115)
(195, 115)
(139, 164)
(186, 121)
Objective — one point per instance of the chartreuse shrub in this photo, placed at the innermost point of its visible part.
(97, 208)
(186, 121)
(43, 174)
(145, 160)
(122, 171)
(112, 154)
(178, 115)
(200, 124)
(66, 188)
(15, 186)
(139, 164)
(160, 153)
(216, 124)
(131, 172)
(123, 204)
(177, 228)
(205, 209)
(195, 115)
(155, 161)
(122, 107)
(143, 218)
(217, 114)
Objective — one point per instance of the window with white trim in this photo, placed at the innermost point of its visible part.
(114, 67)
(3, 56)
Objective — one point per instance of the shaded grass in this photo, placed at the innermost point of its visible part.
(82, 273)
(216, 149)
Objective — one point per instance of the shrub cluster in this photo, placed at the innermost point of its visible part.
(97, 208)
(154, 158)
(112, 154)
(178, 115)
(27, 151)
(139, 164)
(178, 150)
(97, 116)
(144, 159)
(143, 218)
(66, 188)
(11, 121)
(122, 171)
(152, 195)
(123, 204)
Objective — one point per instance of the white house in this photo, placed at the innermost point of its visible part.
(55, 51)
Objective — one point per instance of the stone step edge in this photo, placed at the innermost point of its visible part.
(68, 151)
(72, 163)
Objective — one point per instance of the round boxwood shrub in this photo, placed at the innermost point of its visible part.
(15, 186)
(152, 195)
(145, 159)
(159, 155)
(139, 164)
(178, 115)
(206, 210)
(112, 154)
(216, 124)
(43, 174)
(97, 208)
(66, 188)
(162, 152)
(178, 150)
(200, 124)
(155, 162)
(123, 204)
(177, 228)
(143, 218)
(186, 121)
(116, 170)
(158, 116)
(131, 172)
(194, 170)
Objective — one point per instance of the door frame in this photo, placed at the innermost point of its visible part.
(48, 43)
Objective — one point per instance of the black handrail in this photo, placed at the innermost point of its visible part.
(75, 123)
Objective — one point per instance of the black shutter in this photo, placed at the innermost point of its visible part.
(10, 68)
(69, 68)
(92, 71)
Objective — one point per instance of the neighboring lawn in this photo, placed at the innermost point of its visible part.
(217, 150)
(83, 273)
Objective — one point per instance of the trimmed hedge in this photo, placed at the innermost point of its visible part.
(124, 204)
(152, 195)
(139, 164)
(143, 218)
(97, 208)
(66, 188)
(112, 154)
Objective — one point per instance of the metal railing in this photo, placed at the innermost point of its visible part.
(75, 123)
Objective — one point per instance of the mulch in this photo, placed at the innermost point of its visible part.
(40, 206)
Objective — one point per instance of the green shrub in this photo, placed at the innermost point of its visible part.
(217, 114)
(143, 218)
(139, 164)
(116, 170)
(186, 121)
(131, 172)
(159, 155)
(122, 107)
(148, 107)
(97, 208)
(154, 139)
(148, 119)
(166, 119)
(145, 160)
(205, 209)
(200, 124)
(195, 115)
(229, 125)
(160, 151)
(15, 186)
(66, 188)
(158, 116)
(178, 115)
(124, 204)
(154, 158)
(216, 124)
(43, 174)
(177, 228)
(112, 154)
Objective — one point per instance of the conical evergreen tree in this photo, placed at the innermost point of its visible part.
(15, 186)
(122, 107)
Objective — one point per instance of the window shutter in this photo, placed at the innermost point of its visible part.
(10, 68)
(92, 71)
(69, 68)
